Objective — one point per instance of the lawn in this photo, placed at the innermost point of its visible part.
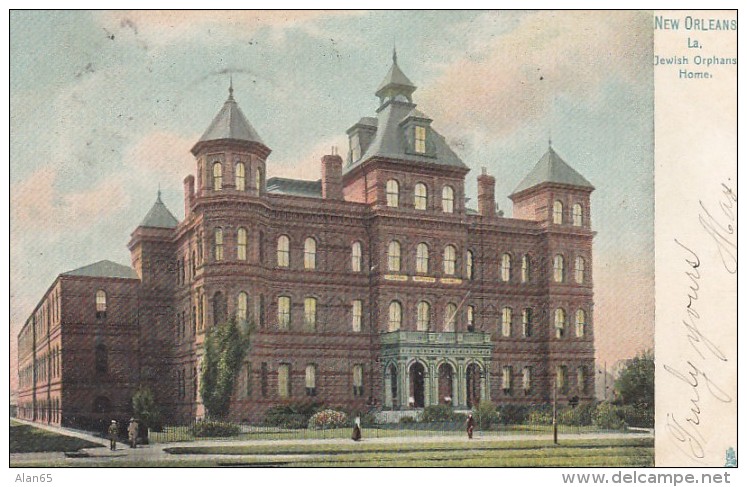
(28, 439)
(172, 434)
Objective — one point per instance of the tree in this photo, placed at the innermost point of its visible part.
(225, 346)
(635, 385)
(145, 409)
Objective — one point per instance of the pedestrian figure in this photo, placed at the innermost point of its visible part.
(132, 433)
(113, 432)
(470, 426)
(357, 429)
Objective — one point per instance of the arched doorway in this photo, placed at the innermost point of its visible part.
(417, 385)
(445, 384)
(473, 385)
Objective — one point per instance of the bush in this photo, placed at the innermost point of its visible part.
(485, 414)
(215, 429)
(608, 416)
(327, 419)
(407, 420)
(540, 415)
(581, 415)
(638, 415)
(291, 416)
(438, 413)
(512, 413)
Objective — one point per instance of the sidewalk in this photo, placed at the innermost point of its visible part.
(156, 452)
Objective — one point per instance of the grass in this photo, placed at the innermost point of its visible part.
(28, 439)
(631, 452)
(172, 434)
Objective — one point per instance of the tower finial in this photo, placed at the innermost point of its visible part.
(230, 87)
(549, 139)
(394, 52)
(159, 192)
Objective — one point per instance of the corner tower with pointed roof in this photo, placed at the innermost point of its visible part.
(553, 193)
(230, 154)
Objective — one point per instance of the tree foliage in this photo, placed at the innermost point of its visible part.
(225, 346)
(635, 385)
(146, 409)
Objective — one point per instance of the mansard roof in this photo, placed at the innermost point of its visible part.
(552, 169)
(295, 187)
(104, 268)
(159, 216)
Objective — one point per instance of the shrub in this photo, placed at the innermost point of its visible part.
(512, 413)
(215, 429)
(608, 416)
(485, 414)
(581, 415)
(638, 415)
(407, 420)
(292, 415)
(438, 413)
(327, 419)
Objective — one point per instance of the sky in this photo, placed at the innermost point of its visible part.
(105, 107)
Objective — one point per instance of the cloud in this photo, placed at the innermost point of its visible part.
(162, 154)
(308, 166)
(515, 78)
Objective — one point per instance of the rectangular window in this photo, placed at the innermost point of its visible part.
(284, 380)
(311, 380)
(561, 377)
(357, 315)
(506, 322)
(284, 316)
(358, 380)
(506, 379)
(470, 318)
(263, 379)
(420, 133)
(309, 314)
(581, 379)
(248, 379)
(527, 379)
(526, 322)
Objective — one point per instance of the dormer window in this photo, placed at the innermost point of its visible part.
(355, 147)
(420, 133)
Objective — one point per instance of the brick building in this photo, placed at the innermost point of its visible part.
(372, 286)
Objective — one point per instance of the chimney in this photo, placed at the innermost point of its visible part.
(189, 195)
(332, 176)
(485, 194)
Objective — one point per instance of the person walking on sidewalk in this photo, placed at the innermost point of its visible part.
(470, 426)
(112, 433)
(132, 431)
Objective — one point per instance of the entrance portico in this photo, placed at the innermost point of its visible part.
(422, 369)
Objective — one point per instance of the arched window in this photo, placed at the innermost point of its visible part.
(258, 180)
(558, 268)
(284, 385)
(100, 304)
(579, 270)
(218, 241)
(217, 176)
(580, 323)
(220, 308)
(447, 199)
(559, 322)
(525, 268)
(102, 359)
(578, 215)
(506, 379)
(420, 136)
(357, 315)
(526, 322)
(506, 318)
(355, 257)
(470, 318)
(561, 377)
(449, 260)
(557, 213)
(421, 196)
(240, 176)
(309, 254)
(358, 380)
(450, 317)
(505, 267)
(241, 306)
(309, 314)
(470, 265)
(581, 379)
(284, 312)
(424, 316)
(395, 316)
(394, 258)
(311, 380)
(421, 258)
(526, 379)
(283, 251)
(392, 193)
(241, 243)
